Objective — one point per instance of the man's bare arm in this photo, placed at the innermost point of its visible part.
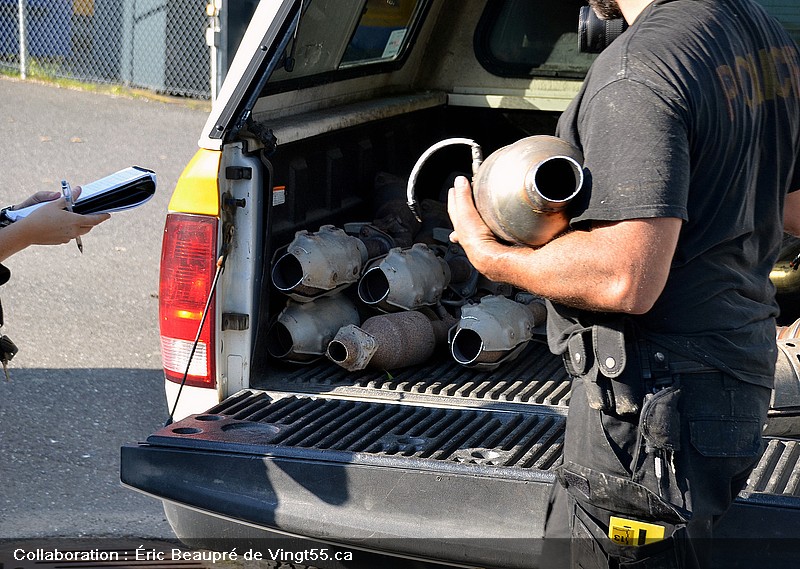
(616, 267)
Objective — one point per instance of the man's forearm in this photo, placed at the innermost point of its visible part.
(618, 268)
(791, 214)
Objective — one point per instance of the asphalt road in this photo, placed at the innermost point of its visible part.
(87, 377)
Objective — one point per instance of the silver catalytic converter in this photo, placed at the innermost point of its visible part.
(523, 190)
(405, 279)
(319, 264)
(302, 331)
(494, 331)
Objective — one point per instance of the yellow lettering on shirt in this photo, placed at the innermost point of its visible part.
(773, 73)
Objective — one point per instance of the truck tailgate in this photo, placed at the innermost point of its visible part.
(433, 463)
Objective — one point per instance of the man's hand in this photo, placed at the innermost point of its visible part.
(469, 229)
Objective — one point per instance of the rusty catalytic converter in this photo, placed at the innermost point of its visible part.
(521, 190)
(494, 331)
(319, 264)
(388, 341)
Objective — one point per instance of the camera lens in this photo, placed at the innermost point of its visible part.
(594, 34)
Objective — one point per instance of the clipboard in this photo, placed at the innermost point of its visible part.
(125, 189)
(122, 190)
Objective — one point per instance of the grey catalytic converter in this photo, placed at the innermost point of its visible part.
(521, 190)
(405, 279)
(494, 331)
(302, 331)
(388, 341)
(319, 264)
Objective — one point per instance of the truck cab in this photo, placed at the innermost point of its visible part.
(315, 382)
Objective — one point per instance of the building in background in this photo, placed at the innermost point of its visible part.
(162, 45)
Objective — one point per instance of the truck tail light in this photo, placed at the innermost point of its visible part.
(188, 264)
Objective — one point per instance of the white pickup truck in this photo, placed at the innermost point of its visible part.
(309, 321)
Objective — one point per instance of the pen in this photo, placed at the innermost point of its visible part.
(66, 189)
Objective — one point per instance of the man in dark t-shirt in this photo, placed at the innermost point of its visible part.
(660, 299)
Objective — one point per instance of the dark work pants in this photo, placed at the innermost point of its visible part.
(699, 449)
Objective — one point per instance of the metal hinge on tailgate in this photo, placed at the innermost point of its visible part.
(230, 204)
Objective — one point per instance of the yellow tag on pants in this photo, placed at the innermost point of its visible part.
(623, 531)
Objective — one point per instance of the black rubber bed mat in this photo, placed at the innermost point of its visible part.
(536, 377)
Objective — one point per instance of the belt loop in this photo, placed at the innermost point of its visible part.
(644, 359)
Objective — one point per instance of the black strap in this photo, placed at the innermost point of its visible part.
(5, 275)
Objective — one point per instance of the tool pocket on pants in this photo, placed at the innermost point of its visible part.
(660, 422)
(726, 436)
(592, 548)
(605, 462)
(657, 463)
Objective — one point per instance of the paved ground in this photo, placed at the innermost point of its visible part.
(87, 377)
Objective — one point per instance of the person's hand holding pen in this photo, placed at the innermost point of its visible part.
(66, 191)
(51, 224)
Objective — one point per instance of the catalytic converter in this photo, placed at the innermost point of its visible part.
(405, 279)
(303, 330)
(523, 190)
(388, 341)
(319, 264)
(494, 331)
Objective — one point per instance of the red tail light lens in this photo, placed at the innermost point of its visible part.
(188, 264)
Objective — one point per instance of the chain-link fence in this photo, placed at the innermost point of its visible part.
(152, 44)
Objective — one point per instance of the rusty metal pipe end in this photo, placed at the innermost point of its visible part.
(352, 348)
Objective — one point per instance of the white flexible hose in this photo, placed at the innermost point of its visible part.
(477, 158)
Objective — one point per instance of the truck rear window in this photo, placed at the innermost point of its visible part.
(381, 31)
(336, 35)
(524, 38)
